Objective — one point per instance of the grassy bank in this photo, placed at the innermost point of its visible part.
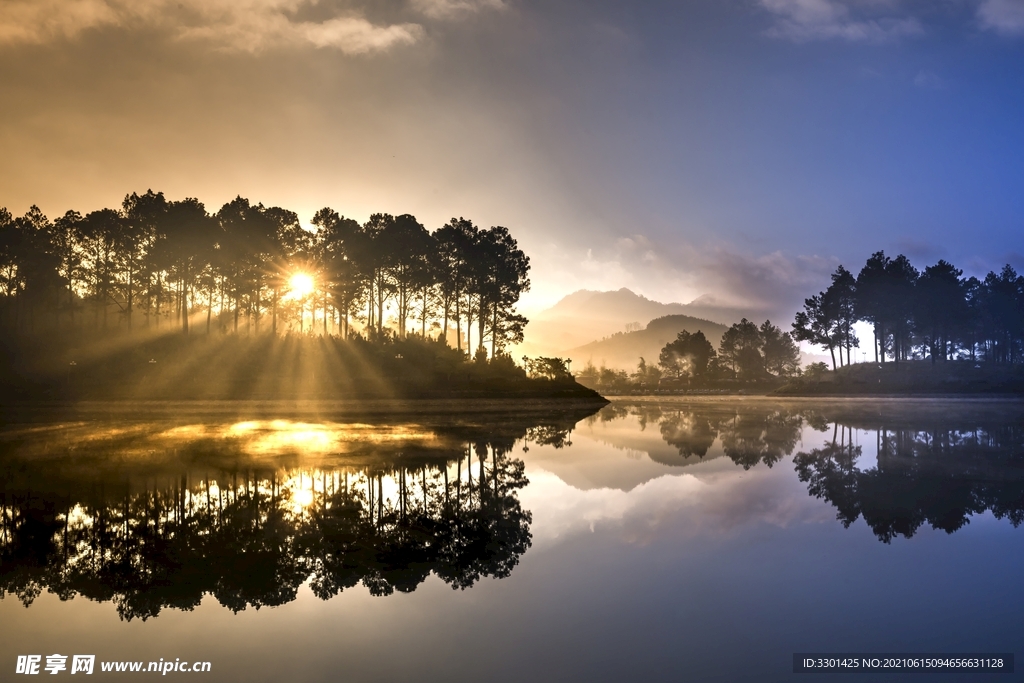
(261, 367)
(919, 377)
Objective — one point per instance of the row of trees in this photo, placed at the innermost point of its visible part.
(936, 313)
(154, 260)
(747, 351)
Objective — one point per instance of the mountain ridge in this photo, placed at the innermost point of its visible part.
(586, 316)
(623, 350)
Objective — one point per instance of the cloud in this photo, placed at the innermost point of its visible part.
(36, 21)
(246, 25)
(449, 9)
(1002, 16)
(864, 21)
(771, 283)
(681, 505)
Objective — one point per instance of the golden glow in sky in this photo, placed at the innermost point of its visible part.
(300, 286)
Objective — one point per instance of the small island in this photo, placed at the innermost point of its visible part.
(161, 299)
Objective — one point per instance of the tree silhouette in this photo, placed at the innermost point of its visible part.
(781, 354)
(687, 356)
(173, 261)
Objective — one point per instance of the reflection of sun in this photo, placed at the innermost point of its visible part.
(301, 285)
(303, 497)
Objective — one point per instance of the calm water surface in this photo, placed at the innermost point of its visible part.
(650, 540)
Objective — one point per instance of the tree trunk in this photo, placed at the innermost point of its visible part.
(129, 297)
(184, 307)
(494, 332)
(273, 315)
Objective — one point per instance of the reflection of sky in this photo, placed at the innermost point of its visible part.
(639, 571)
(607, 479)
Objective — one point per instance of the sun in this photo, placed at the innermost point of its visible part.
(301, 285)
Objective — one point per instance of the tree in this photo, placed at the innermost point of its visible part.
(741, 349)
(839, 300)
(185, 238)
(687, 356)
(373, 257)
(35, 273)
(9, 283)
(781, 354)
(99, 232)
(648, 375)
(816, 324)
(870, 299)
(816, 370)
(337, 239)
(548, 368)
(898, 304)
(407, 264)
(66, 236)
(941, 309)
(1002, 320)
(455, 251)
(142, 214)
(506, 271)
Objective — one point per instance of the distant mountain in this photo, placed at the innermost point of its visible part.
(621, 305)
(623, 350)
(587, 315)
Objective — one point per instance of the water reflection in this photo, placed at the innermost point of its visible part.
(935, 463)
(151, 514)
(938, 477)
(159, 509)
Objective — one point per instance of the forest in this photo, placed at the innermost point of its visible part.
(935, 313)
(123, 303)
(748, 353)
(253, 268)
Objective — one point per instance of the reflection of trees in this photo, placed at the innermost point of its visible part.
(760, 436)
(691, 433)
(938, 477)
(203, 520)
(937, 464)
(750, 434)
(251, 542)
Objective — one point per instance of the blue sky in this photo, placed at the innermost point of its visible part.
(738, 148)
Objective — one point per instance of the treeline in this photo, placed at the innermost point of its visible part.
(255, 269)
(747, 352)
(935, 313)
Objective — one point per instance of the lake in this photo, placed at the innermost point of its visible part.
(651, 539)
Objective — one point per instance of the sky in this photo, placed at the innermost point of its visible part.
(735, 148)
